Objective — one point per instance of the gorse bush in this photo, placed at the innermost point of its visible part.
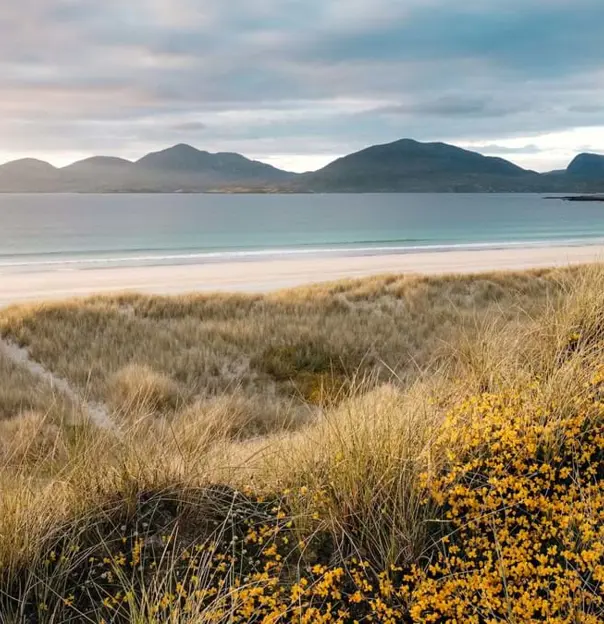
(521, 495)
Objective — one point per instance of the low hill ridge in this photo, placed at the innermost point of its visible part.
(28, 164)
(404, 165)
(587, 165)
(408, 165)
(100, 160)
(183, 158)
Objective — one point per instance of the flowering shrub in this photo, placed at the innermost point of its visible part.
(523, 498)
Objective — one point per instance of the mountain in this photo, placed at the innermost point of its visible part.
(222, 167)
(410, 166)
(402, 166)
(98, 174)
(98, 163)
(28, 174)
(555, 172)
(178, 168)
(587, 166)
(28, 166)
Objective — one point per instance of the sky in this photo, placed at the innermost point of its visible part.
(297, 83)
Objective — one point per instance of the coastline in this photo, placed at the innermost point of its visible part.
(270, 275)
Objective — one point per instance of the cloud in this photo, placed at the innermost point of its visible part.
(305, 77)
(494, 148)
(455, 106)
(189, 126)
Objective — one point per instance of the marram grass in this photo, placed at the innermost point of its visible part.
(472, 494)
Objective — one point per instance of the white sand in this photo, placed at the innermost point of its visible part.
(268, 275)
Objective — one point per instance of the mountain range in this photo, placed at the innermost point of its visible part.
(402, 166)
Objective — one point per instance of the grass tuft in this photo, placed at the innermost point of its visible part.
(139, 390)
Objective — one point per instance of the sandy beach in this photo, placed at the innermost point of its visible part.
(269, 275)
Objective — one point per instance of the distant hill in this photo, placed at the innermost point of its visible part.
(179, 168)
(99, 163)
(402, 166)
(408, 165)
(28, 166)
(217, 168)
(587, 166)
(28, 174)
(98, 174)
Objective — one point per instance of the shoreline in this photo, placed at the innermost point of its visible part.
(150, 259)
(270, 275)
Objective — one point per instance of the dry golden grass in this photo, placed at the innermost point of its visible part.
(139, 390)
(21, 392)
(318, 411)
(38, 423)
(307, 343)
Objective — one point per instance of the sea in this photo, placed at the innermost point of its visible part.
(73, 231)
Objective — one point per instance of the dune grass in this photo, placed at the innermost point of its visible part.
(289, 344)
(391, 449)
(21, 392)
(38, 423)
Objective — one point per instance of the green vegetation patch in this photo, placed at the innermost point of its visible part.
(311, 370)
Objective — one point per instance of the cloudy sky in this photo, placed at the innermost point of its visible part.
(299, 82)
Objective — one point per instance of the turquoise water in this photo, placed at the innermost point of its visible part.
(59, 232)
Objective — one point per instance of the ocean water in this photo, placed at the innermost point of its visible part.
(68, 232)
